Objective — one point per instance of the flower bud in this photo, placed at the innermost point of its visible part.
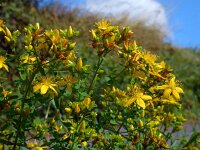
(93, 34)
(143, 113)
(79, 65)
(37, 25)
(126, 45)
(68, 110)
(87, 101)
(82, 126)
(70, 31)
(132, 127)
(72, 45)
(77, 109)
(8, 33)
(140, 123)
(151, 134)
(134, 45)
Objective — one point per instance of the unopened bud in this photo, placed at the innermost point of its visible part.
(143, 113)
(140, 123)
(82, 126)
(79, 65)
(72, 45)
(93, 34)
(77, 109)
(87, 101)
(68, 110)
(37, 25)
(70, 31)
(134, 45)
(8, 33)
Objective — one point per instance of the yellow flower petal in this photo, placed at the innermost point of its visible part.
(178, 89)
(166, 101)
(167, 92)
(146, 97)
(37, 87)
(6, 67)
(172, 82)
(51, 87)
(162, 87)
(175, 94)
(140, 103)
(44, 89)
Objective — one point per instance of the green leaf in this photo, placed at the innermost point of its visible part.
(77, 86)
(22, 74)
(139, 146)
(113, 115)
(150, 148)
(192, 139)
(107, 79)
(113, 122)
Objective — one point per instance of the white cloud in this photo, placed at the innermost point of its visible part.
(150, 11)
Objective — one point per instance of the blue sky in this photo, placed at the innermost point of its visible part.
(182, 16)
(184, 21)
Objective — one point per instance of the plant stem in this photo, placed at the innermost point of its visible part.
(100, 60)
(21, 113)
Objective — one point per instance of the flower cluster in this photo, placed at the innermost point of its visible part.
(51, 98)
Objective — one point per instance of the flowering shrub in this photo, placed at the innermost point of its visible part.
(51, 98)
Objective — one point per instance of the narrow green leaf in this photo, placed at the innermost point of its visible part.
(139, 146)
(192, 139)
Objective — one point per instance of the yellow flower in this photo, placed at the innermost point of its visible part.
(44, 85)
(171, 91)
(28, 59)
(2, 63)
(41, 148)
(150, 58)
(139, 98)
(84, 143)
(68, 81)
(125, 102)
(32, 143)
(103, 25)
(5, 93)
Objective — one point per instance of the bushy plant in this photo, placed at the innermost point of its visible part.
(52, 98)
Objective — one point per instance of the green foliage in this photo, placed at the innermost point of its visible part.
(53, 98)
